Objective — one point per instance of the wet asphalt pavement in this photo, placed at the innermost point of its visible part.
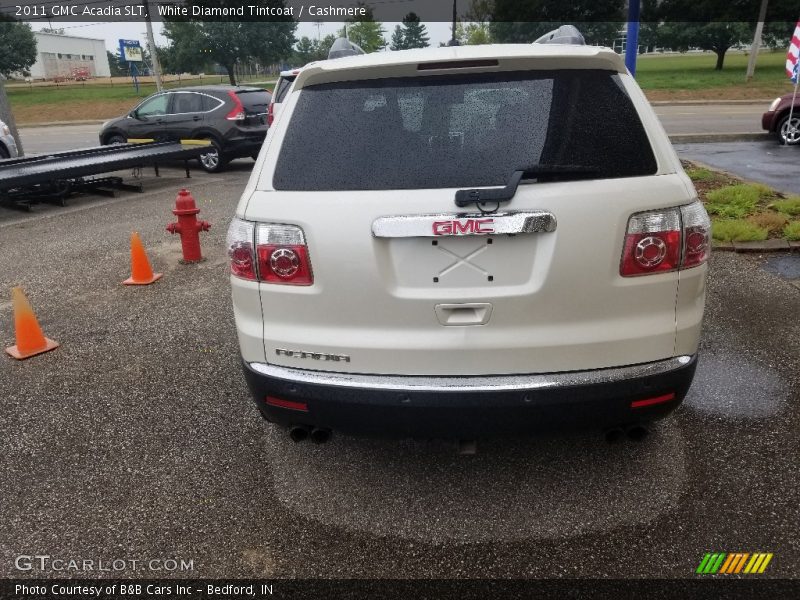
(137, 439)
(765, 162)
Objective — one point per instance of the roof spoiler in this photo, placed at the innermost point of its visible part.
(343, 47)
(566, 34)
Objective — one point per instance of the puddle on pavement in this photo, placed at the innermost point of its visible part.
(730, 387)
(787, 267)
(545, 488)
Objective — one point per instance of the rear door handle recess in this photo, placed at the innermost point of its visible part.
(455, 315)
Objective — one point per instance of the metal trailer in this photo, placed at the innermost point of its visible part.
(53, 177)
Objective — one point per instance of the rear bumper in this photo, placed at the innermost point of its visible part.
(240, 143)
(470, 407)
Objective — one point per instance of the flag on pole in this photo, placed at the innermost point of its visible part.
(792, 55)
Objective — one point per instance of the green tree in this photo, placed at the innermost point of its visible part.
(415, 35)
(398, 40)
(514, 21)
(471, 34)
(306, 50)
(715, 25)
(367, 33)
(17, 54)
(17, 47)
(475, 28)
(229, 43)
(187, 52)
(115, 66)
(777, 34)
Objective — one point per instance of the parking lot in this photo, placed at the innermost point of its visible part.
(137, 439)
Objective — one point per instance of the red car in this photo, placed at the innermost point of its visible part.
(776, 119)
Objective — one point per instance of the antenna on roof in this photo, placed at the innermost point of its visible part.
(343, 47)
(566, 34)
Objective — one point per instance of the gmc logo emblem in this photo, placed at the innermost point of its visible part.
(463, 227)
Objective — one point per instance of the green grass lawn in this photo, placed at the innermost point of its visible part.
(696, 71)
(76, 93)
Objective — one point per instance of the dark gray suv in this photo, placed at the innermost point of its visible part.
(232, 118)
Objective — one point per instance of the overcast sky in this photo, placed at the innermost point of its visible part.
(113, 32)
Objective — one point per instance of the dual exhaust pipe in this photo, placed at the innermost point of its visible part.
(635, 433)
(318, 435)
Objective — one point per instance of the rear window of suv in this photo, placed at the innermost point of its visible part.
(460, 131)
(254, 101)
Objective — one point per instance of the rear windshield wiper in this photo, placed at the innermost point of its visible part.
(504, 194)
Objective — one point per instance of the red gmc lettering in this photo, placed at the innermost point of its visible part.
(462, 227)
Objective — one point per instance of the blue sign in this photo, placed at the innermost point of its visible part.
(130, 51)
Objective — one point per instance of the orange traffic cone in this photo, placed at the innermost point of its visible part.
(141, 272)
(30, 339)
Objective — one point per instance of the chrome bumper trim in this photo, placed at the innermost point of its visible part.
(485, 383)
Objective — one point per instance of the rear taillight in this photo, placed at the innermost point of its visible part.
(282, 255)
(696, 235)
(237, 112)
(267, 252)
(652, 243)
(241, 250)
(665, 240)
(270, 113)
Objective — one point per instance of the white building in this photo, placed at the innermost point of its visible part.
(63, 56)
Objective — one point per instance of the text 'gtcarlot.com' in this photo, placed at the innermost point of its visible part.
(43, 562)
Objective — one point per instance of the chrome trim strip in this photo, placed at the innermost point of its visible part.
(490, 383)
(441, 225)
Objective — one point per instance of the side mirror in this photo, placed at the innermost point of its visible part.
(133, 114)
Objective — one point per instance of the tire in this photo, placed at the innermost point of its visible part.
(213, 161)
(4, 152)
(116, 139)
(789, 134)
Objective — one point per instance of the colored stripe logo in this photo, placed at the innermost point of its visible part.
(728, 563)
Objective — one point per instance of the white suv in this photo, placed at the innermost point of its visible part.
(467, 241)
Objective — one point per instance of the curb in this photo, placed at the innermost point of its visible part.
(705, 138)
(60, 123)
(707, 102)
(756, 247)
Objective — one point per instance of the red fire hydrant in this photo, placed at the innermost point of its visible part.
(188, 226)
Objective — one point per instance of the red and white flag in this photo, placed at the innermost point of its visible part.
(792, 55)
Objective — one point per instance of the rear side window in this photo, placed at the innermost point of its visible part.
(460, 131)
(255, 101)
(210, 103)
(186, 102)
(284, 83)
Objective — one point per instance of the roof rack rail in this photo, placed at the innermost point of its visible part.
(343, 47)
(566, 34)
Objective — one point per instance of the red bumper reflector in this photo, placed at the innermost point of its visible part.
(290, 404)
(651, 401)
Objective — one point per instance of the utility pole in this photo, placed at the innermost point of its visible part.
(454, 40)
(152, 45)
(751, 64)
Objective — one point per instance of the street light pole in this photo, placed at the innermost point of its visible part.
(152, 44)
(751, 63)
